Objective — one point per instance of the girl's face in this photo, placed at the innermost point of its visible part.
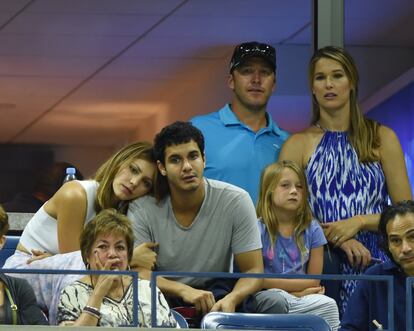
(331, 86)
(133, 180)
(109, 251)
(288, 193)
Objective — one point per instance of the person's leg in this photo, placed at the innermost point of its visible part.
(266, 302)
(316, 304)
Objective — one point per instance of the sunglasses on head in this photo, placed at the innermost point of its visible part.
(248, 48)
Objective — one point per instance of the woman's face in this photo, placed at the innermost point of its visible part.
(133, 180)
(331, 86)
(109, 252)
(288, 193)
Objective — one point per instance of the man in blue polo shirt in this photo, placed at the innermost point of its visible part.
(241, 138)
(368, 307)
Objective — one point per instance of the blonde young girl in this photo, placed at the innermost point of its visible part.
(292, 241)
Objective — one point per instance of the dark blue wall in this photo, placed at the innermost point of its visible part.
(398, 113)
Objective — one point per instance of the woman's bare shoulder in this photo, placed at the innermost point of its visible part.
(70, 193)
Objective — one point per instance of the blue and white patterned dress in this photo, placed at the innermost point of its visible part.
(341, 187)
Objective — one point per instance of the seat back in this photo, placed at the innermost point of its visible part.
(285, 322)
(180, 319)
(8, 248)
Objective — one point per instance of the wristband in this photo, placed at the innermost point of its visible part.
(92, 311)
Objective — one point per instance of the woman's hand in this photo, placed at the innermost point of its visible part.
(340, 231)
(144, 256)
(37, 255)
(105, 281)
(358, 255)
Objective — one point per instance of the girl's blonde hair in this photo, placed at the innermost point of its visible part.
(363, 132)
(106, 173)
(266, 210)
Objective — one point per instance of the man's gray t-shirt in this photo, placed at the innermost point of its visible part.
(225, 225)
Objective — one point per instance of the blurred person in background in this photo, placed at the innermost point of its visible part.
(48, 183)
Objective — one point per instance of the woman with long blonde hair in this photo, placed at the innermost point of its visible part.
(51, 238)
(353, 165)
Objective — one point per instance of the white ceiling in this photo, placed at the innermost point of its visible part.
(102, 72)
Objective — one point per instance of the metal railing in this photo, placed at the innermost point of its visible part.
(133, 274)
(385, 278)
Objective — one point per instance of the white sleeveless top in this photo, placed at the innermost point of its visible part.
(41, 231)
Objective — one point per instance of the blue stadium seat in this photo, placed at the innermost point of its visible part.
(180, 319)
(285, 322)
(8, 249)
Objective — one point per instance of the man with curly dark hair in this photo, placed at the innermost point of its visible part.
(200, 224)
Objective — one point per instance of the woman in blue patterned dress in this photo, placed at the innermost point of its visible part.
(353, 165)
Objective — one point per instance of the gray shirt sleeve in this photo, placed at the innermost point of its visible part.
(140, 222)
(246, 236)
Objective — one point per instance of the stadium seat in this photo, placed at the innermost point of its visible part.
(8, 248)
(285, 322)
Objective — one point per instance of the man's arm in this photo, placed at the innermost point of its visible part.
(248, 262)
(202, 300)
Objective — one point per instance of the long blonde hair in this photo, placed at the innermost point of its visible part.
(265, 206)
(106, 173)
(363, 132)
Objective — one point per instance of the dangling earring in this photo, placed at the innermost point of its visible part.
(128, 268)
(88, 267)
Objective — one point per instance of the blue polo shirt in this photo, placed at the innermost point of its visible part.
(234, 152)
(369, 301)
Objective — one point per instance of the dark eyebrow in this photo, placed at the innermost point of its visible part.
(173, 155)
(393, 236)
(194, 151)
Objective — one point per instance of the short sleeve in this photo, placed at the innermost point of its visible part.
(317, 236)
(246, 235)
(140, 222)
(69, 308)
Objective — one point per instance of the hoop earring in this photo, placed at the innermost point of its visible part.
(88, 267)
(128, 268)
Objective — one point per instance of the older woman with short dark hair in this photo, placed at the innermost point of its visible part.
(107, 299)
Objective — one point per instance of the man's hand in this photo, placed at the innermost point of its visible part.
(226, 305)
(144, 256)
(358, 255)
(202, 300)
(340, 231)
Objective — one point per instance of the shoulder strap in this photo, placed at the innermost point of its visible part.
(13, 306)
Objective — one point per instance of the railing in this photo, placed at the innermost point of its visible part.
(133, 274)
(388, 279)
(409, 303)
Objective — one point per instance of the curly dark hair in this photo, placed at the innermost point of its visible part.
(388, 214)
(174, 134)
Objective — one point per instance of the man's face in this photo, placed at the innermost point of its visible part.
(400, 232)
(253, 83)
(184, 167)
